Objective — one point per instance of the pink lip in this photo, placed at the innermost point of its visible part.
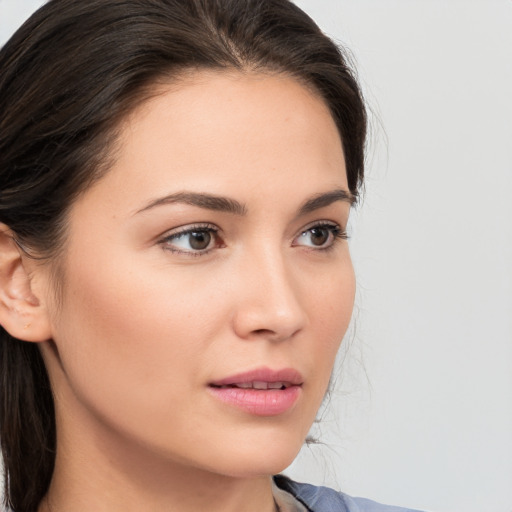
(260, 402)
(263, 374)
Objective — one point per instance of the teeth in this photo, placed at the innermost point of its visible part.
(257, 384)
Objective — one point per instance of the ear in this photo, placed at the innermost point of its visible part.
(22, 313)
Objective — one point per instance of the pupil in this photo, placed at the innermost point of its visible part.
(200, 239)
(319, 236)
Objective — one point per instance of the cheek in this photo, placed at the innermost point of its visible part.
(330, 304)
(329, 301)
(128, 334)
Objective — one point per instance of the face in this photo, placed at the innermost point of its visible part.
(207, 280)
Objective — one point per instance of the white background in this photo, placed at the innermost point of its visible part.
(421, 414)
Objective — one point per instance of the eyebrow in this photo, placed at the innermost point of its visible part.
(228, 205)
(206, 201)
(326, 199)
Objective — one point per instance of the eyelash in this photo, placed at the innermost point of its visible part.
(335, 231)
(195, 228)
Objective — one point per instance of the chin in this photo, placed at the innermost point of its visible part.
(255, 457)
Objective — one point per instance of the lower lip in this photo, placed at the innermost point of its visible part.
(260, 402)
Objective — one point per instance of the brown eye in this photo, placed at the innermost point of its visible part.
(195, 240)
(319, 236)
(199, 240)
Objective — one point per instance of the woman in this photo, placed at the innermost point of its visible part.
(176, 179)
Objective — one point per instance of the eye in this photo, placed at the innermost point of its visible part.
(320, 236)
(194, 240)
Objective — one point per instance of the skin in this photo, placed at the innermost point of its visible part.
(144, 325)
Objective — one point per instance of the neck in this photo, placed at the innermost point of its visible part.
(97, 470)
(99, 482)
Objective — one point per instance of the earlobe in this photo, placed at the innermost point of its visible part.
(22, 314)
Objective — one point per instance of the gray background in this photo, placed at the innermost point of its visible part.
(421, 411)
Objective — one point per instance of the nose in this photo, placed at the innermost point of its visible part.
(269, 301)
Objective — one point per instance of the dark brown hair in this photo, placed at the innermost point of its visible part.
(68, 77)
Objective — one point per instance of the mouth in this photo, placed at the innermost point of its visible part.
(261, 392)
(259, 385)
(261, 378)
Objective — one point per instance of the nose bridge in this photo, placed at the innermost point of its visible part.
(270, 302)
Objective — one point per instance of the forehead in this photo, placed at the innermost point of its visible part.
(235, 112)
(228, 133)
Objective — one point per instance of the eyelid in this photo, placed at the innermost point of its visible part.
(186, 228)
(338, 233)
(164, 239)
(323, 223)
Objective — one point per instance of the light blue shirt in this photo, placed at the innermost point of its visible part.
(323, 499)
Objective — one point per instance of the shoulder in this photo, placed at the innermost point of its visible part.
(324, 499)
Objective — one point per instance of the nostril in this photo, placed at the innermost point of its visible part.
(265, 332)
(272, 335)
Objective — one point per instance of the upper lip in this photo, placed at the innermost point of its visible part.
(262, 376)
